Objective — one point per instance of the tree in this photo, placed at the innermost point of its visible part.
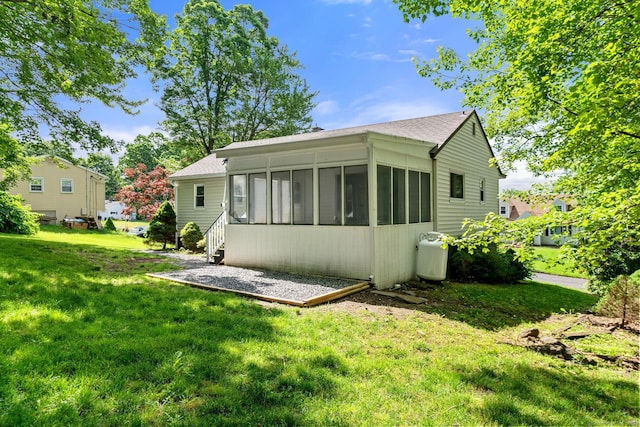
(225, 78)
(561, 90)
(162, 227)
(57, 54)
(15, 218)
(146, 192)
(190, 235)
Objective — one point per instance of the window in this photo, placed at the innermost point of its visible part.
(384, 195)
(482, 189)
(473, 128)
(425, 197)
(503, 210)
(198, 192)
(238, 200)
(302, 181)
(258, 198)
(281, 197)
(356, 195)
(456, 186)
(330, 197)
(36, 185)
(66, 185)
(399, 208)
(414, 197)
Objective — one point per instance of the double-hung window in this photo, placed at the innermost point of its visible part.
(198, 194)
(36, 185)
(456, 186)
(66, 185)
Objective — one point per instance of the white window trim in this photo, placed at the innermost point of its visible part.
(483, 191)
(195, 197)
(41, 184)
(72, 186)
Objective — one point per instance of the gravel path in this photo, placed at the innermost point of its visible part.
(270, 284)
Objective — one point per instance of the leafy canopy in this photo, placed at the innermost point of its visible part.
(223, 79)
(56, 55)
(559, 83)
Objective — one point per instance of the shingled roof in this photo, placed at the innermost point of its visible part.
(435, 129)
(208, 166)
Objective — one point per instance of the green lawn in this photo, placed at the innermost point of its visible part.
(87, 339)
(552, 261)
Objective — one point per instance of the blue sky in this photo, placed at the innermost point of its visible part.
(357, 54)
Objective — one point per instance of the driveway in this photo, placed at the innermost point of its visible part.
(567, 282)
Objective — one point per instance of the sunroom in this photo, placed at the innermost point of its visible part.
(349, 206)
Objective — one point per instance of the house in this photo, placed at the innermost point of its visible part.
(350, 203)
(59, 189)
(516, 209)
(113, 209)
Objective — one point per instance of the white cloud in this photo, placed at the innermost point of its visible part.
(128, 134)
(378, 56)
(326, 107)
(368, 22)
(520, 178)
(424, 41)
(380, 107)
(408, 52)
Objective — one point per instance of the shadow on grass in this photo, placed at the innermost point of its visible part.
(83, 344)
(527, 395)
(492, 307)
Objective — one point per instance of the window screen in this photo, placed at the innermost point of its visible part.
(330, 197)
(356, 195)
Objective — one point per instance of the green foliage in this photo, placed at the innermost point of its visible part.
(16, 218)
(622, 299)
(490, 265)
(190, 235)
(162, 227)
(109, 225)
(56, 55)
(225, 79)
(560, 92)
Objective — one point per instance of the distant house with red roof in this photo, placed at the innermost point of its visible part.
(516, 209)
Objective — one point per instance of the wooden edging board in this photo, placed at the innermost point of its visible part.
(306, 303)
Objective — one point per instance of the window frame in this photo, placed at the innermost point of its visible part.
(279, 213)
(71, 186)
(452, 190)
(483, 187)
(196, 196)
(31, 184)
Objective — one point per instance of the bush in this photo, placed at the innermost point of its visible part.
(16, 218)
(492, 266)
(190, 235)
(618, 261)
(109, 225)
(622, 299)
(162, 227)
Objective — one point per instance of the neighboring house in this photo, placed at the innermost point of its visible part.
(58, 189)
(349, 203)
(519, 209)
(113, 210)
(199, 192)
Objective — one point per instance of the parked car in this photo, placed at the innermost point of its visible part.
(139, 231)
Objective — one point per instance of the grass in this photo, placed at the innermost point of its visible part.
(551, 260)
(87, 339)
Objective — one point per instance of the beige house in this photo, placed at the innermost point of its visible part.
(350, 203)
(59, 189)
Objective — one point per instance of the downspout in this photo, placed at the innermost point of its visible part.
(434, 193)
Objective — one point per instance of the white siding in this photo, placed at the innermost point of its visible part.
(185, 202)
(469, 156)
(395, 252)
(324, 250)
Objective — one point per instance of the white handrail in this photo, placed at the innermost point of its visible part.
(215, 235)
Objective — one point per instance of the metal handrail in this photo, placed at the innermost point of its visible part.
(215, 235)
